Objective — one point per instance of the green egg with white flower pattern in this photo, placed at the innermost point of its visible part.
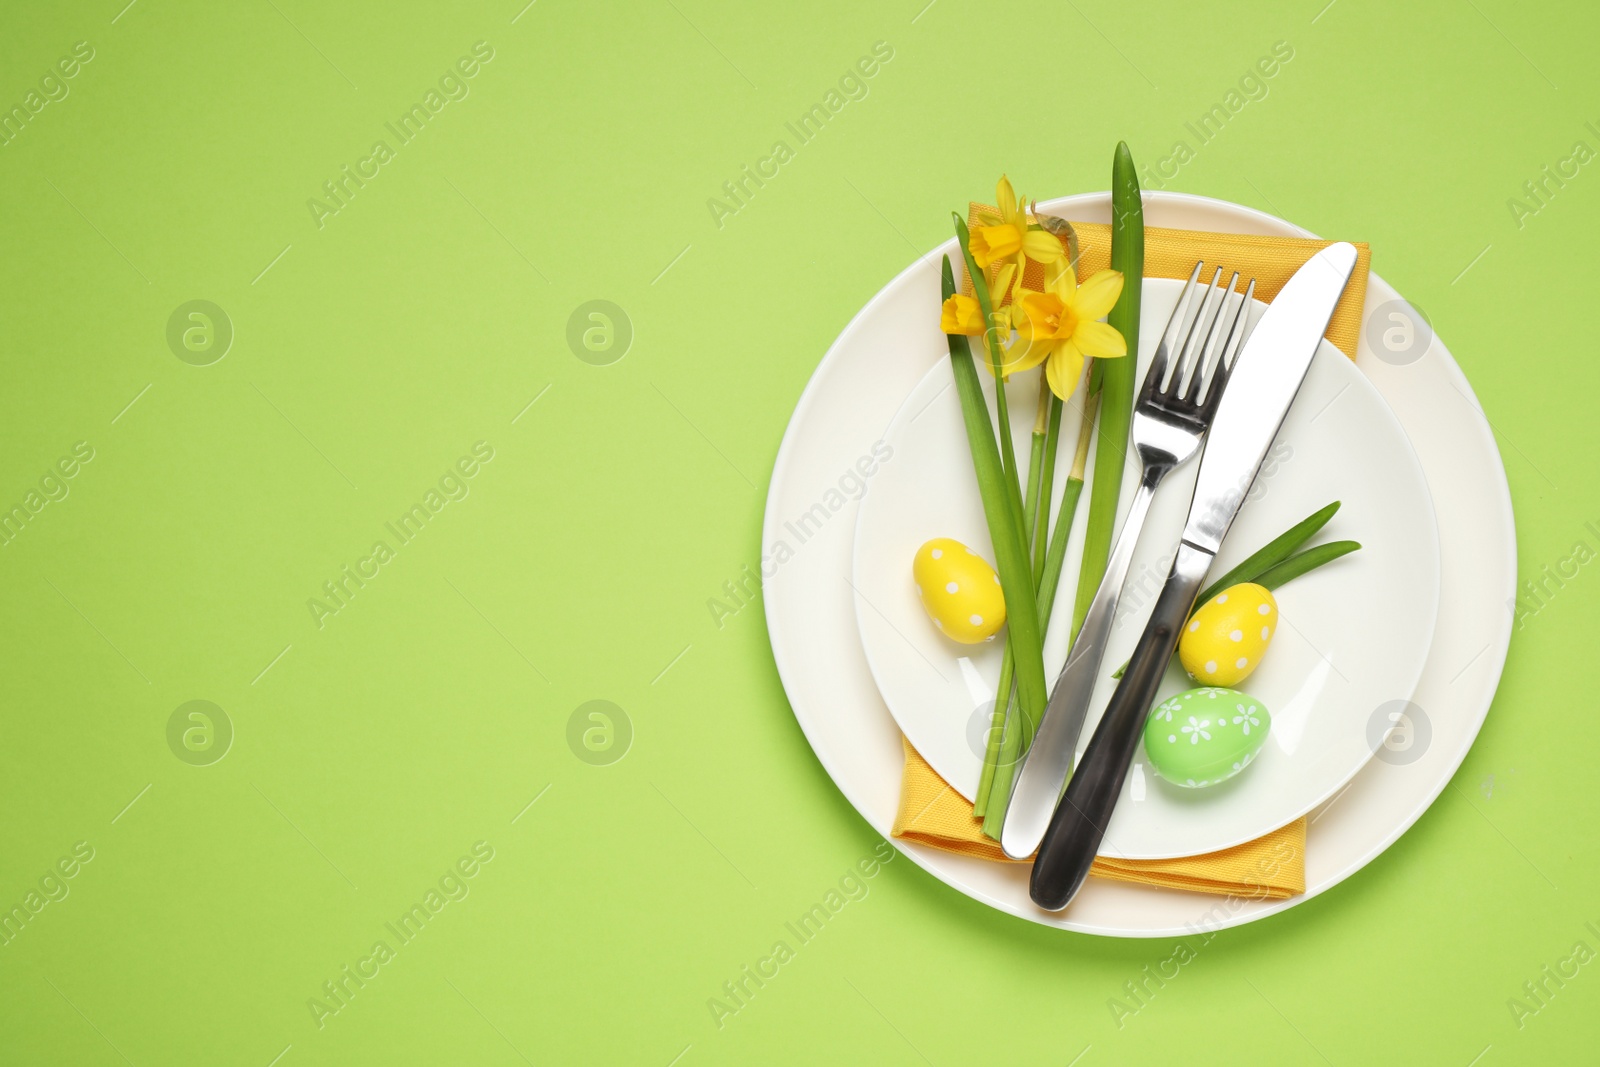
(1204, 736)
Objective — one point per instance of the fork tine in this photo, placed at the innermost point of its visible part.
(1181, 311)
(1236, 342)
(1216, 339)
(1158, 366)
(1195, 339)
(1228, 354)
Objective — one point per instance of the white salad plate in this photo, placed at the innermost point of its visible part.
(1350, 637)
(834, 443)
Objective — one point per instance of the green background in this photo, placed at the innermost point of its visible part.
(371, 752)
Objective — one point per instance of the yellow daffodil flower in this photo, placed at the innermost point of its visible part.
(1004, 236)
(991, 244)
(961, 314)
(1060, 326)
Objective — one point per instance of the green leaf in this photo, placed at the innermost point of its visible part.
(1272, 553)
(1005, 521)
(1115, 381)
(991, 340)
(1309, 560)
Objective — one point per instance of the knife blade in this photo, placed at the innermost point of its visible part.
(1263, 386)
(1271, 369)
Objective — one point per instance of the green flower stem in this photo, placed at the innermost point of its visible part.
(1001, 767)
(1115, 380)
(1005, 522)
(1056, 558)
(1047, 471)
(1035, 509)
(1005, 694)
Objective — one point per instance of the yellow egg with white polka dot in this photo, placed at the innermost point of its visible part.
(1227, 637)
(959, 590)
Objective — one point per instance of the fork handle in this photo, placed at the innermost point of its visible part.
(1080, 820)
(1049, 758)
(1102, 613)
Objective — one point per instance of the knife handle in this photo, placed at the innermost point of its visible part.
(1080, 820)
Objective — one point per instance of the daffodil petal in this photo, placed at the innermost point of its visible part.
(1060, 278)
(1064, 370)
(1098, 295)
(1002, 282)
(1042, 247)
(1007, 198)
(1099, 340)
(1029, 354)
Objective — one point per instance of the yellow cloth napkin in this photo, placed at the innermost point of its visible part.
(1271, 261)
(1273, 866)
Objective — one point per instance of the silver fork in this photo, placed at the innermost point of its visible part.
(1169, 423)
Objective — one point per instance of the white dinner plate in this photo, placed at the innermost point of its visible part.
(828, 450)
(1350, 637)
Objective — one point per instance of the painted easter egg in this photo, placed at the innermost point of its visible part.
(1227, 637)
(1205, 736)
(959, 590)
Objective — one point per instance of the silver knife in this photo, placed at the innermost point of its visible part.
(1264, 382)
